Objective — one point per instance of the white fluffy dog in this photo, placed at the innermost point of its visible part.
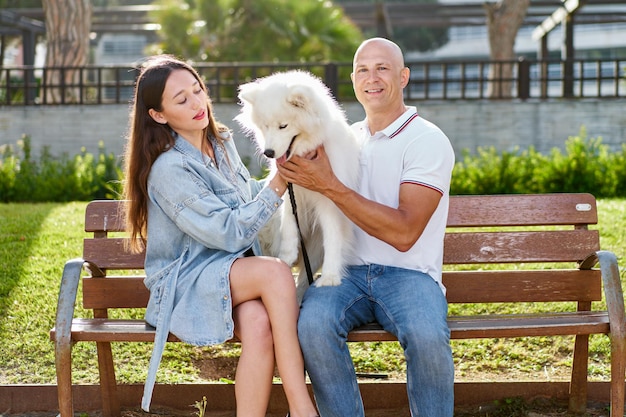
(292, 113)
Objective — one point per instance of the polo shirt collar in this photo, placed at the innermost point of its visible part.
(395, 128)
(401, 122)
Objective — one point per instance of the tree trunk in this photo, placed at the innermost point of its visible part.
(68, 23)
(504, 19)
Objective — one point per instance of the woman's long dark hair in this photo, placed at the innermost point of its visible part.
(147, 139)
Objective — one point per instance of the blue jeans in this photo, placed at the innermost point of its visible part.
(408, 304)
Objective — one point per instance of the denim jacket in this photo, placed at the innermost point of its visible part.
(200, 219)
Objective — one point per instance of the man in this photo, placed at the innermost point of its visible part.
(394, 277)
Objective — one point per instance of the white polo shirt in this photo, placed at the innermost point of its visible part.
(411, 150)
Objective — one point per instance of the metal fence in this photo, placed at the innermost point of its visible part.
(435, 80)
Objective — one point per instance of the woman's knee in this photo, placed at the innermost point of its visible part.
(279, 273)
(252, 323)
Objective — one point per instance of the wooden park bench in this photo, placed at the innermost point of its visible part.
(495, 230)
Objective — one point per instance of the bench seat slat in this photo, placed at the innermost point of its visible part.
(519, 325)
(500, 325)
(461, 327)
(113, 330)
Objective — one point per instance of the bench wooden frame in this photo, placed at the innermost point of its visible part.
(503, 242)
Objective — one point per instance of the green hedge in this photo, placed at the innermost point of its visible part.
(585, 165)
(82, 177)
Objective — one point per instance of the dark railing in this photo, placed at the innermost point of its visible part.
(434, 80)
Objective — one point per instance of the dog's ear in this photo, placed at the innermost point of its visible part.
(299, 96)
(248, 92)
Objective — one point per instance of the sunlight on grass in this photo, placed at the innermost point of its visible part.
(37, 239)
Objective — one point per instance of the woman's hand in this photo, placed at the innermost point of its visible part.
(278, 184)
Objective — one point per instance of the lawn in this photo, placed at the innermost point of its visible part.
(37, 239)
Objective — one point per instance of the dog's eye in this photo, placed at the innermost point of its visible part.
(283, 126)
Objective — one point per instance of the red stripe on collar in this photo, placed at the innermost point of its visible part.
(404, 125)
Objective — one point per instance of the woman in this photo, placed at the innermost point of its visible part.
(188, 190)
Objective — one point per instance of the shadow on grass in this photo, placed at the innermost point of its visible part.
(35, 242)
(20, 226)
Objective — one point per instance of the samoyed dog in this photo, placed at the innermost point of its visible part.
(292, 113)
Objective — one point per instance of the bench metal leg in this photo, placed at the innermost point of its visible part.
(63, 361)
(615, 305)
(618, 369)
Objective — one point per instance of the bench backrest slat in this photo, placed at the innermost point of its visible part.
(507, 247)
(115, 292)
(522, 210)
(465, 211)
(462, 287)
(460, 248)
(507, 234)
(104, 215)
(109, 253)
(522, 286)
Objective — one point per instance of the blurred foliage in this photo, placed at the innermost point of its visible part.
(251, 30)
(18, 4)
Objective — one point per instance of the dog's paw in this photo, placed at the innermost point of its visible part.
(328, 280)
(289, 255)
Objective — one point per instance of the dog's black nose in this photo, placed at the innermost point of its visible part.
(269, 153)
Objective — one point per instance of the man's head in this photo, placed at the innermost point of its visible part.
(393, 49)
(379, 75)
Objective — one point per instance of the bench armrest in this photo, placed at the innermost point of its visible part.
(67, 300)
(612, 290)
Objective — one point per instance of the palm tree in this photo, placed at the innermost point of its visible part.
(252, 30)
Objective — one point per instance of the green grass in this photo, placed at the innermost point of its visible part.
(37, 239)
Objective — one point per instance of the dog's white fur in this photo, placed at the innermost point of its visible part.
(292, 113)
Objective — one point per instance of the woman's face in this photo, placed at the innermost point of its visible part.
(184, 105)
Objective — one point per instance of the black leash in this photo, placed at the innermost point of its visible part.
(307, 264)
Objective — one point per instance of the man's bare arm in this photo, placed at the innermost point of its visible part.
(399, 227)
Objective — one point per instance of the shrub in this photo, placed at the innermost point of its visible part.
(586, 165)
(78, 178)
(617, 174)
(491, 173)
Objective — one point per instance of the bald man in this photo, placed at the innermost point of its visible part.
(394, 277)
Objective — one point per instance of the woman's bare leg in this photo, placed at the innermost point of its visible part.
(271, 280)
(255, 370)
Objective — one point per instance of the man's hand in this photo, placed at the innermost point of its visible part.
(312, 171)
